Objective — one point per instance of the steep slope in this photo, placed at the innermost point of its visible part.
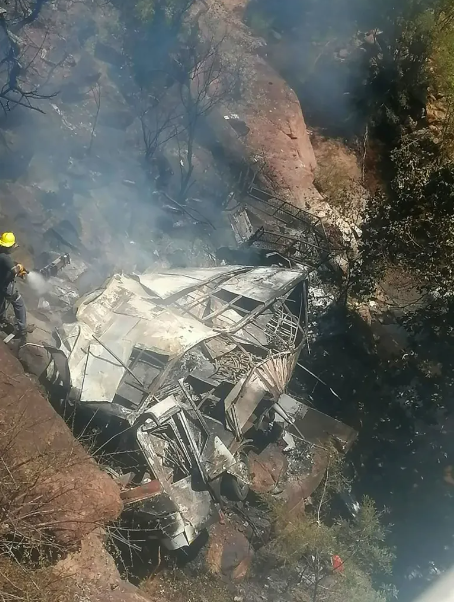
(277, 141)
(54, 494)
(62, 490)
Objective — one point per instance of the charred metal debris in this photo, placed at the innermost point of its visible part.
(293, 235)
(187, 371)
(188, 368)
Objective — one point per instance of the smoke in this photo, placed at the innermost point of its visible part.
(321, 48)
(76, 171)
(38, 283)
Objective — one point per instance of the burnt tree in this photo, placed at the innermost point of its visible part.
(206, 77)
(14, 90)
(160, 121)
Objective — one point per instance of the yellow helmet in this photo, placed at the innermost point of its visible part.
(7, 239)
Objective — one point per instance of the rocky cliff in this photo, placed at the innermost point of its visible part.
(275, 138)
(62, 490)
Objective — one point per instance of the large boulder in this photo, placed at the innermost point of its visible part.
(91, 574)
(229, 552)
(49, 482)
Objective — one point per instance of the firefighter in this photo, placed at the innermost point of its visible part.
(9, 270)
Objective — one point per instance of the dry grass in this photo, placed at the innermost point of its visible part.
(31, 491)
(51, 491)
(338, 177)
(177, 586)
(341, 191)
(22, 583)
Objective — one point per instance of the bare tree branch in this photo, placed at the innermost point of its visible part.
(205, 80)
(160, 121)
(12, 92)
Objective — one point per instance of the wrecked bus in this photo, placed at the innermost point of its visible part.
(187, 365)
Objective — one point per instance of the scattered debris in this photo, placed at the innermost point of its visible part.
(290, 441)
(55, 266)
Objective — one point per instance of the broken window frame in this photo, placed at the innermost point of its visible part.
(216, 292)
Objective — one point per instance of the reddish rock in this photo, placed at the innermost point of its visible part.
(229, 552)
(62, 488)
(277, 141)
(92, 575)
(276, 131)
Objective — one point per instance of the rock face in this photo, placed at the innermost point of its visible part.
(276, 131)
(277, 140)
(62, 489)
(61, 486)
(82, 165)
(72, 178)
(94, 576)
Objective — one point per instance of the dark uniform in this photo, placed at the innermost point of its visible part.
(8, 292)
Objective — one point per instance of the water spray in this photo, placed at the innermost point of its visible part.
(37, 282)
